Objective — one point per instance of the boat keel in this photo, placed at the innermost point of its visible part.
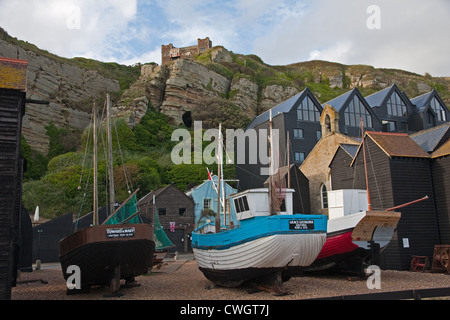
(272, 283)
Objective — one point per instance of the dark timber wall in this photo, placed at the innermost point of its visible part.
(440, 169)
(12, 107)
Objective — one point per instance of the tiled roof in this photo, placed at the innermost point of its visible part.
(430, 138)
(13, 74)
(422, 101)
(376, 99)
(443, 150)
(351, 149)
(398, 145)
(338, 102)
(283, 107)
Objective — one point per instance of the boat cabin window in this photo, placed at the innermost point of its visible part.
(181, 212)
(162, 211)
(241, 204)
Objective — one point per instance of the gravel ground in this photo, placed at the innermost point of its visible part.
(182, 280)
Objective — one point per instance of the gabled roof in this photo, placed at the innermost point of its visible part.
(148, 198)
(351, 149)
(422, 101)
(283, 107)
(395, 145)
(338, 102)
(443, 150)
(430, 138)
(379, 98)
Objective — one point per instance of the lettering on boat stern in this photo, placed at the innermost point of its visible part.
(120, 232)
(301, 224)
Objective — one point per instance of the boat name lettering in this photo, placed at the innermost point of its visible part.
(120, 232)
(301, 224)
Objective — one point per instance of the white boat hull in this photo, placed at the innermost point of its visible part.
(260, 256)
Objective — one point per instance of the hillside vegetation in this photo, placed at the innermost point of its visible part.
(55, 180)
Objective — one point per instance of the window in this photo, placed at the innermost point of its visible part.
(438, 109)
(389, 126)
(206, 203)
(241, 204)
(323, 191)
(355, 111)
(182, 212)
(298, 133)
(308, 111)
(396, 106)
(162, 211)
(299, 157)
(318, 134)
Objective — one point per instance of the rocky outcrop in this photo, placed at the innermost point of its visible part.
(183, 88)
(69, 89)
(174, 89)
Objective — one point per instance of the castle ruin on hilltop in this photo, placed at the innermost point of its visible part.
(169, 52)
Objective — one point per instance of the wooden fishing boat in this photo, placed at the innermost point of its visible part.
(119, 248)
(356, 234)
(266, 246)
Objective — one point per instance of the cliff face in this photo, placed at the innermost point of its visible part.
(69, 89)
(183, 89)
(183, 86)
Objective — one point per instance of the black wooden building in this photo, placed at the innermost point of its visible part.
(298, 118)
(431, 111)
(12, 109)
(440, 170)
(394, 109)
(398, 171)
(176, 215)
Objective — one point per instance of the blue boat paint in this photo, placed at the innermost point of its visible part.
(259, 227)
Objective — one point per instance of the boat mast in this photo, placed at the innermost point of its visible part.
(219, 173)
(270, 162)
(112, 199)
(288, 151)
(95, 201)
(369, 207)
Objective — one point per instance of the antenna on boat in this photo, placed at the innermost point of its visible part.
(219, 174)
(112, 199)
(95, 202)
(369, 205)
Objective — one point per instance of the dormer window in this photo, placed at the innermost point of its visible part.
(355, 111)
(307, 111)
(396, 106)
(438, 109)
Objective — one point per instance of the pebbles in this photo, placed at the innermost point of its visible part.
(186, 282)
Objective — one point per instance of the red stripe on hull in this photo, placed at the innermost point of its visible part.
(338, 244)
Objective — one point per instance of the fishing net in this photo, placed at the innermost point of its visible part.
(126, 211)
(161, 239)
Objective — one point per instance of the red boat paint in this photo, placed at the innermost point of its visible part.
(338, 244)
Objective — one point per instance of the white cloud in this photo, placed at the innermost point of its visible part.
(412, 35)
(70, 28)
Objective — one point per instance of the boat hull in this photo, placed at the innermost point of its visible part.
(99, 250)
(349, 238)
(258, 249)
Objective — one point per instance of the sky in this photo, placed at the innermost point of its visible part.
(413, 35)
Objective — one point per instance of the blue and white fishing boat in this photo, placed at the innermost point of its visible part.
(268, 246)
